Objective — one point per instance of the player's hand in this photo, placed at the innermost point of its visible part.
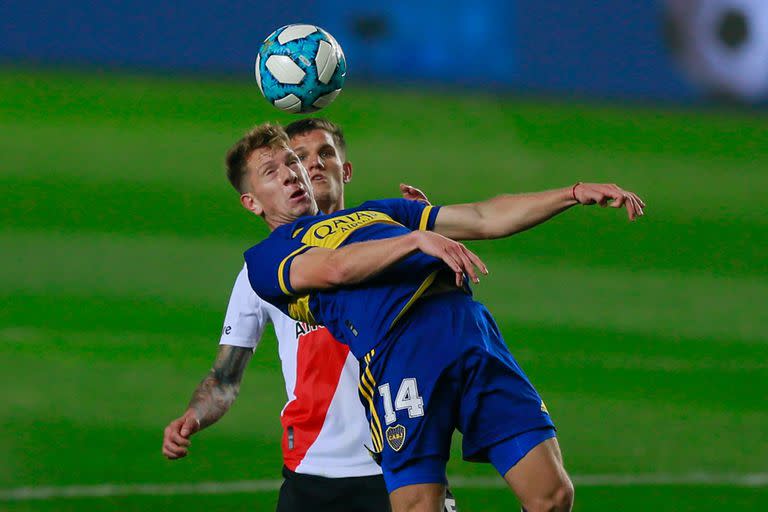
(176, 435)
(413, 193)
(609, 195)
(460, 259)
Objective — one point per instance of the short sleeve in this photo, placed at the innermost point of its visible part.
(268, 267)
(414, 215)
(246, 317)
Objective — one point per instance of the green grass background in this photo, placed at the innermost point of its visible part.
(120, 240)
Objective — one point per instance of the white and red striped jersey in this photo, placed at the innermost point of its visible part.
(324, 425)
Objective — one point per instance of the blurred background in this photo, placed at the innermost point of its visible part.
(120, 238)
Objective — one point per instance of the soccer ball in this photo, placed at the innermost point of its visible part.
(300, 68)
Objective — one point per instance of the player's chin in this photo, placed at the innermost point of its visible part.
(302, 206)
(322, 193)
(320, 188)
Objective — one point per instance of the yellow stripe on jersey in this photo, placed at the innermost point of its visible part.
(299, 310)
(332, 232)
(281, 267)
(425, 218)
(418, 293)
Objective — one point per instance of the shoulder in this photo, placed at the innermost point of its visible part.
(279, 244)
(268, 263)
(245, 302)
(383, 204)
(243, 293)
(275, 238)
(412, 214)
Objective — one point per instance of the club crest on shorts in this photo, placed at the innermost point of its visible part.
(396, 437)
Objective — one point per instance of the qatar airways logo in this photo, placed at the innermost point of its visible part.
(344, 223)
(331, 232)
(303, 328)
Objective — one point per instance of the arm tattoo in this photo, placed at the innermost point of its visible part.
(218, 390)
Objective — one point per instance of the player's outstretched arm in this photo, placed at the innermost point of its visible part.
(509, 214)
(210, 401)
(321, 268)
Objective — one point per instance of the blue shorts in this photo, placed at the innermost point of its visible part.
(502, 455)
(445, 366)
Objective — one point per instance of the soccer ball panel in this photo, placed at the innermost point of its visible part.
(326, 99)
(284, 69)
(326, 62)
(342, 63)
(258, 73)
(332, 40)
(293, 32)
(290, 103)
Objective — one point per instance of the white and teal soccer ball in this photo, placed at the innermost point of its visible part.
(300, 68)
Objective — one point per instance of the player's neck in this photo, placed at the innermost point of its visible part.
(331, 206)
(275, 222)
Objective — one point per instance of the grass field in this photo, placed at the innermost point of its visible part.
(121, 239)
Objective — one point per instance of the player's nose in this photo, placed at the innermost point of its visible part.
(289, 175)
(315, 162)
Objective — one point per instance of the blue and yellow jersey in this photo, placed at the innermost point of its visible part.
(358, 315)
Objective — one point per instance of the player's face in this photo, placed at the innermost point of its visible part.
(324, 161)
(277, 186)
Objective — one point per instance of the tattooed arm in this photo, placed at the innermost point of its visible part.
(210, 401)
(216, 393)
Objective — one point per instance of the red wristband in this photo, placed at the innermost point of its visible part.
(573, 191)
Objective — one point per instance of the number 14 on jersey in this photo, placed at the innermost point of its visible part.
(407, 398)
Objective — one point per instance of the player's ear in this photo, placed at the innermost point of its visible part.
(346, 172)
(251, 204)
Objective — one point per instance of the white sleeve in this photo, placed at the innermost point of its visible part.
(246, 316)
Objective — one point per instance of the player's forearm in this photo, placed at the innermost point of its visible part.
(502, 215)
(321, 268)
(358, 262)
(509, 214)
(211, 400)
(219, 389)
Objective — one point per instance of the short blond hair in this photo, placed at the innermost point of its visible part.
(266, 135)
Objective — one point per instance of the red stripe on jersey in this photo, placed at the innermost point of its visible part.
(319, 362)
